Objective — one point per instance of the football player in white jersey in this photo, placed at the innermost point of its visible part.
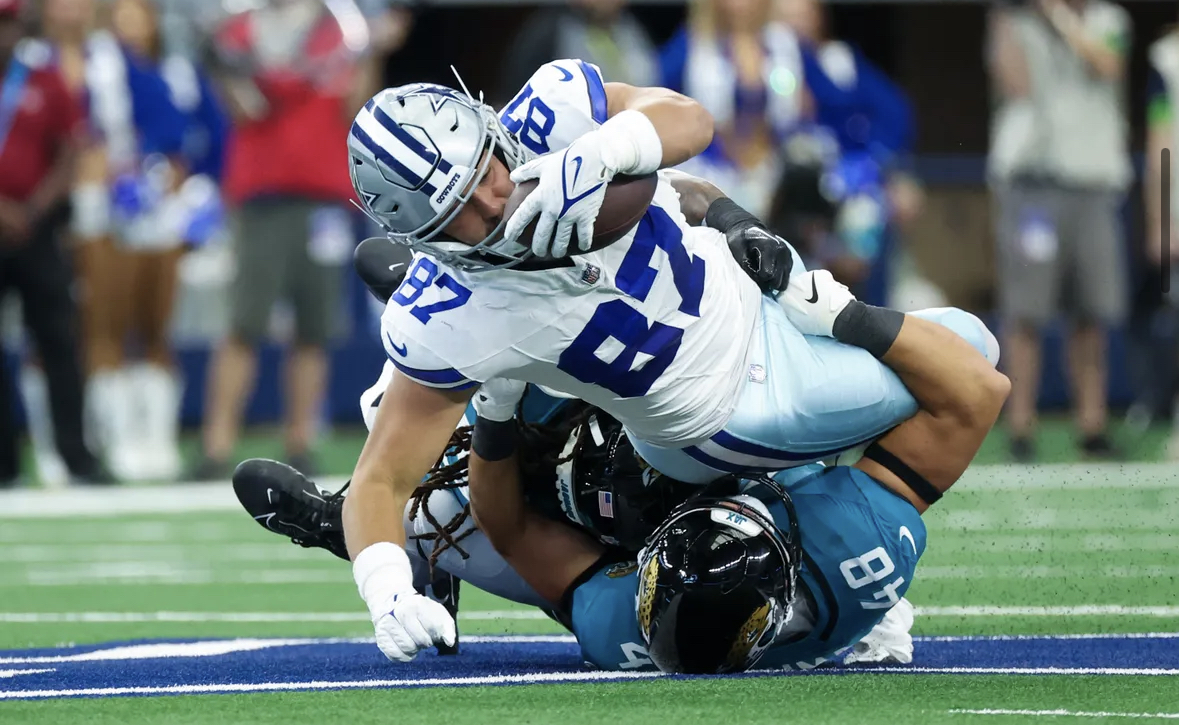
(662, 329)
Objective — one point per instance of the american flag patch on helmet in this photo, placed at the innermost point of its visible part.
(606, 504)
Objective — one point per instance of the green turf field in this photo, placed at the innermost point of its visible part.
(1080, 549)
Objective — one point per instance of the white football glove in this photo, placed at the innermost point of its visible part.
(813, 300)
(889, 642)
(498, 398)
(413, 624)
(572, 183)
(569, 195)
(405, 622)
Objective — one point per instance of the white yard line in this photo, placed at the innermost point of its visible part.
(538, 678)
(86, 502)
(236, 617)
(81, 502)
(534, 614)
(1084, 610)
(1130, 671)
(1067, 713)
(1035, 637)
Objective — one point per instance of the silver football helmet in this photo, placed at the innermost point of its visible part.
(417, 154)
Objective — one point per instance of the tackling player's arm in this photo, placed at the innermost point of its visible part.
(549, 555)
(767, 258)
(960, 395)
(409, 431)
(958, 390)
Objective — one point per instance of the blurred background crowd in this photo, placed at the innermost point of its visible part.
(176, 229)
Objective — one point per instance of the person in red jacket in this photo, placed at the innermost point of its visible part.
(288, 72)
(40, 124)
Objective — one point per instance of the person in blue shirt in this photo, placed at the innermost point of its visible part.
(784, 572)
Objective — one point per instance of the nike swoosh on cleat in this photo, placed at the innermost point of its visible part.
(906, 534)
(814, 292)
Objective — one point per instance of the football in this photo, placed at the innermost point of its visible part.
(627, 199)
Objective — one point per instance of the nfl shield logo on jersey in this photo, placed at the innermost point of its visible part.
(591, 275)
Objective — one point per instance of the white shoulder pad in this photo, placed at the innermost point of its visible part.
(562, 101)
(415, 360)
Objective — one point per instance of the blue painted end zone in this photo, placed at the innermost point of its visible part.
(211, 666)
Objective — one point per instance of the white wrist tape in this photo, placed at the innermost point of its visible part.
(91, 210)
(382, 574)
(630, 144)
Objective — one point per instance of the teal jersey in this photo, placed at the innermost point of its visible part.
(860, 545)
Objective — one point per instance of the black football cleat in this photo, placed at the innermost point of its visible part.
(445, 590)
(284, 501)
(381, 265)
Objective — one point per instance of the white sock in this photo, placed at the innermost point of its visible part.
(158, 390)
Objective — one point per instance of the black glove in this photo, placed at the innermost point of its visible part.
(764, 256)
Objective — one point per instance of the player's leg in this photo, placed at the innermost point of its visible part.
(807, 398)
(441, 517)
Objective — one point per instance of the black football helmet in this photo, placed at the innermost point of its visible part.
(604, 486)
(716, 583)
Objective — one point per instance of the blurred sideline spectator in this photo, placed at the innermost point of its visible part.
(162, 130)
(873, 124)
(289, 69)
(747, 71)
(1162, 132)
(602, 32)
(40, 127)
(1059, 166)
(390, 23)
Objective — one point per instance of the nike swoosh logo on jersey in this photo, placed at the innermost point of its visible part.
(906, 534)
(814, 292)
(566, 76)
(402, 350)
(393, 267)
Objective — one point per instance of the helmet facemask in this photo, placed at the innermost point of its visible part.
(430, 238)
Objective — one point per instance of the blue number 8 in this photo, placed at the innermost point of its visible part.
(533, 130)
(423, 273)
(416, 282)
(618, 320)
